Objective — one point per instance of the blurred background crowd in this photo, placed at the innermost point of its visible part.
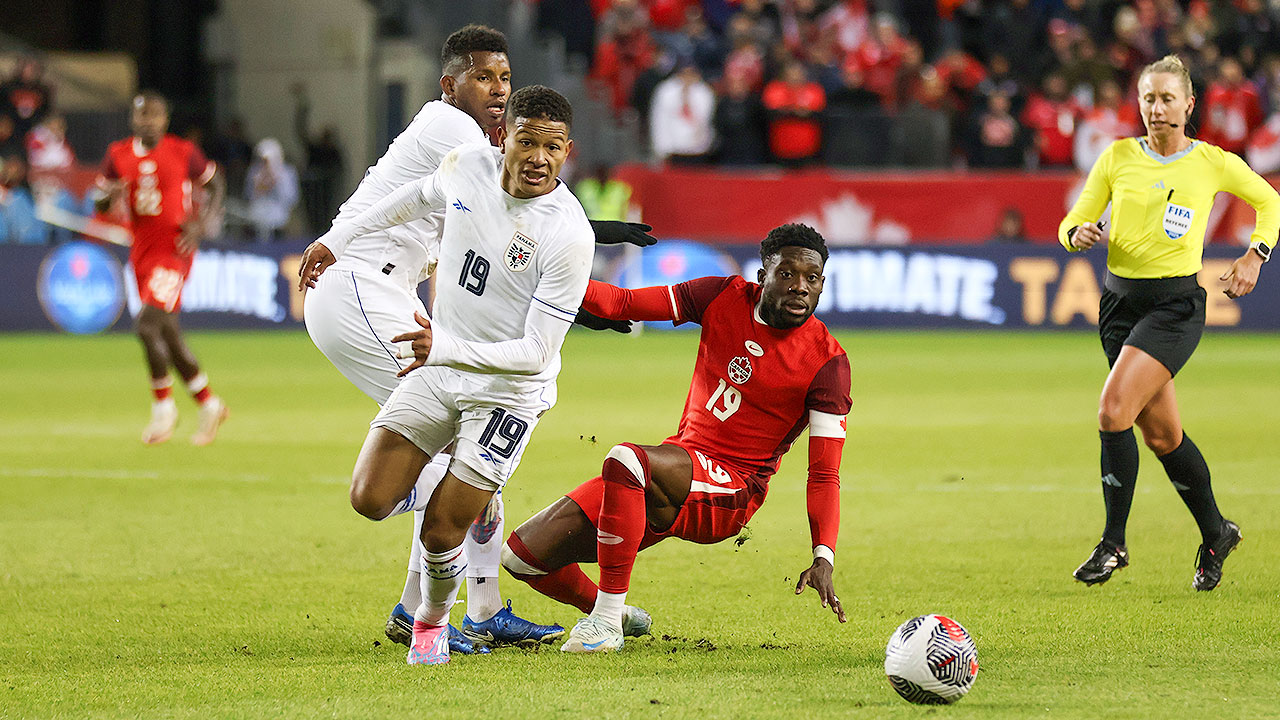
(922, 83)
(1029, 85)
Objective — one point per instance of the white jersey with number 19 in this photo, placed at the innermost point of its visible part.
(502, 259)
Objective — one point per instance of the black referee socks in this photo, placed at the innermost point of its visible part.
(1119, 475)
(1189, 474)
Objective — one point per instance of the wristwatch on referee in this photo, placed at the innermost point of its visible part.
(1262, 249)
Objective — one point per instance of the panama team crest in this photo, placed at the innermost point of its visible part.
(520, 252)
(740, 369)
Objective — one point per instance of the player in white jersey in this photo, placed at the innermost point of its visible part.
(369, 296)
(515, 257)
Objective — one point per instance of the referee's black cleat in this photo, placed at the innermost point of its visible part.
(1210, 556)
(1106, 559)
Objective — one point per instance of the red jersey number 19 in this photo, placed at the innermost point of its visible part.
(731, 397)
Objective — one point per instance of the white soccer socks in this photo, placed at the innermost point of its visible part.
(442, 575)
(609, 607)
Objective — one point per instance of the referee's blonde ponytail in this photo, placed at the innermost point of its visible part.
(1173, 65)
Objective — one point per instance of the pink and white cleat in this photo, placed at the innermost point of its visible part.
(213, 412)
(430, 644)
(164, 416)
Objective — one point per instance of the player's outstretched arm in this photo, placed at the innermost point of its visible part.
(411, 201)
(615, 303)
(615, 232)
(828, 402)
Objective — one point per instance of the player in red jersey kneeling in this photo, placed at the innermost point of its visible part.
(157, 173)
(766, 369)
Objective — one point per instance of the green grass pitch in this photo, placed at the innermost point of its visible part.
(236, 581)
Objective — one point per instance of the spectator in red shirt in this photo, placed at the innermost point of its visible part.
(1232, 109)
(961, 74)
(1051, 115)
(879, 57)
(795, 126)
(625, 50)
(669, 15)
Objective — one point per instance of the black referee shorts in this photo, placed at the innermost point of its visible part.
(1163, 317)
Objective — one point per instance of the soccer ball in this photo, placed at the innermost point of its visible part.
(931, 660)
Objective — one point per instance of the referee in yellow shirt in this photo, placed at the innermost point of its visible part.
(1151, 315)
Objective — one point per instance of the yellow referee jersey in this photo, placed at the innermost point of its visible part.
(1160, 206)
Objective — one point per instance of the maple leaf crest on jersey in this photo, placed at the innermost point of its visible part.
(520, 252)
(740, 369)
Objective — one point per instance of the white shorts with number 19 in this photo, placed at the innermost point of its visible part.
(434, 406)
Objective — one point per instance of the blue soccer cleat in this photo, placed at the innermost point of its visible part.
(504, 628)
(400, 630)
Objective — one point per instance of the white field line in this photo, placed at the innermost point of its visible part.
(121, 474)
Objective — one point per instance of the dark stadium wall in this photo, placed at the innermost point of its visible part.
(161, 35)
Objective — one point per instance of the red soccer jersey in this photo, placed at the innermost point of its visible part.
(754, 385)
(159, 187)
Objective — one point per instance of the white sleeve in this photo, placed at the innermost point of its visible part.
(565, 274)
(411, 201)
(556, 300)
(528, 355)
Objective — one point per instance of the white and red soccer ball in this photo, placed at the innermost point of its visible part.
(931, 660)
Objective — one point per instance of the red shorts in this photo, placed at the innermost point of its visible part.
(720, 503)
(160, 279)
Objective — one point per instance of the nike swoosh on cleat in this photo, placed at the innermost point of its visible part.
(593, 646)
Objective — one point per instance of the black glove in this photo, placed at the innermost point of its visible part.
(595, 322)
(616, 232)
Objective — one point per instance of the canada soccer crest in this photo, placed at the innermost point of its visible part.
(520, 252)
(740, 369)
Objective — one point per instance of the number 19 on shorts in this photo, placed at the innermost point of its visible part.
(503, 433)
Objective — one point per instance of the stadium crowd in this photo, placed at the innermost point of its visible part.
(934, 83)
(1021, 84)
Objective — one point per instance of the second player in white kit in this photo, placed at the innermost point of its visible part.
(515, 258)
(370, 294)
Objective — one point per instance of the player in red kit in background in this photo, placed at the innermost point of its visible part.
(766, 369)
(170, 191)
